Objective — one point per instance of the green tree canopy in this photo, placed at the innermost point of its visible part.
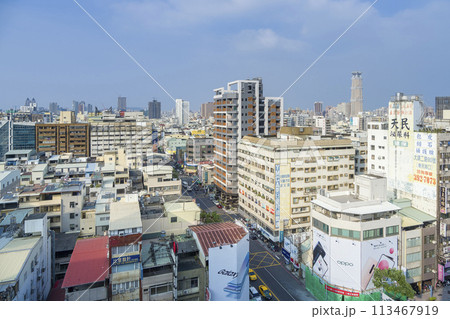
(393, 281)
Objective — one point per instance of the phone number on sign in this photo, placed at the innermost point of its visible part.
(405, 310)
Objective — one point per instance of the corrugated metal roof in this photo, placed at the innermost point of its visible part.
(417, 215)
(14, 255)
(19, 214)
(89, 262)
(213, 235)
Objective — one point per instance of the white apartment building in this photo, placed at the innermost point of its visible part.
(182, 111)
(133, 135)
(26, 265)
(278, 179)
(377, 142)
(158, 180)
(323, 124)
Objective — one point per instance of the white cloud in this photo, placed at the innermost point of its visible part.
(265, 39)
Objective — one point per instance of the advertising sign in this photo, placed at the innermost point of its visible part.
(294, 257)
(345, 263)
(125, 260)
(400, 145)
(379, 253)
(321, 256)
(425, 159)
(228, 272)
(342, 292)
(277, 195)
(440, 272)
(443, 200)
(286, 255)
(443, 229)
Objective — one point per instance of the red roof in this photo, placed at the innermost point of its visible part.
(219, 233)
(89, 262)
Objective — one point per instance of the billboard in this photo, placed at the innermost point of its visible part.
(228, 271)
(277, 195)
(443, 199)
(400, 145)
(350, 264)
(321, 254)
(379, 253)
(440, 272)
(425, 161)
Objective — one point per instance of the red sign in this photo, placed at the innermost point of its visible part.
(342, 292)
(272, 211)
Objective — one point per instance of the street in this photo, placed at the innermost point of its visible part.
(268, 265)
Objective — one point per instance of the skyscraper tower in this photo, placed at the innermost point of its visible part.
(182, 111)
(121, 103)
(356, 99)
(154, 109)
(318, 108)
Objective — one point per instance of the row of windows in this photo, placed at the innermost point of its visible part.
(124, 249)
(126, 285)
(353, 234)
(346, 233)
(321, 226)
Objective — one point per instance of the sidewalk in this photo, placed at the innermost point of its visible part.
(441, 294)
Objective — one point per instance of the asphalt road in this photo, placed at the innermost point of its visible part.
(268, 265)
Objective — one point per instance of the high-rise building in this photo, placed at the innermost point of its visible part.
(16, 136)
(75, 106)
(318, 108)
(82, 107)
(206, 110)
(278, 178)
(53, 107)
(121, 103)
(240, 110)
(356, 99)
(90, 108)
(441, 103)
(154, 109)
(182, 111)
(58, 138)
(377, 142)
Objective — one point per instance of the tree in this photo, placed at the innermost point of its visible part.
(393, 281)
(209, 218)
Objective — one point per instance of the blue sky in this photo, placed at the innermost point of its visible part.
(52, 51)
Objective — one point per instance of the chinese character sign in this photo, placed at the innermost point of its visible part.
(425, 162)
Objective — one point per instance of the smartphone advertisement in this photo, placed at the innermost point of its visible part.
(350, 263)
(379, 253)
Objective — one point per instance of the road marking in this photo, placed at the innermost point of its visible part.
(267, 288)
(262, 267)
(279, 284)
(277, 257)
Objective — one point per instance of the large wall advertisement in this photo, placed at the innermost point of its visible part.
(401, 145)
(350, 264)
(228, 272)
(425, 162)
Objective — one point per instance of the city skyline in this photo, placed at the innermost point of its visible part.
(56, 53)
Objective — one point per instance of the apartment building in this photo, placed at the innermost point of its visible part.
(125, 243)
(26, 261)
(199, 149)
(132, 133)
(418, 245)
(61, 201)
(59, 138)
(9, 181)
(87, 275)
(359, 141)
(377, 142)
(158, 180)
(278, 179)
(182, 111)
(240, 110)
(16, 136)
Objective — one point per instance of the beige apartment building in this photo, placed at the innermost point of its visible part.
(278, 179)
(158, 180)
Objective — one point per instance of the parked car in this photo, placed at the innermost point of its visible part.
(265, 292)
(219, 206)
(254, 294)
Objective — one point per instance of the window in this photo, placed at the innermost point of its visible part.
(72, 215)
(173, 219)
(427, 269)
(428, 239)
(321, 226)
(372, 233)
(429, 253)
(72, 204)
(410, 258)
(413, 272)
(194, 282)
(412, 242)
(156, 290)
(392, 230)
(346, 233)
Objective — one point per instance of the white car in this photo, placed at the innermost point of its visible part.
(254, 294)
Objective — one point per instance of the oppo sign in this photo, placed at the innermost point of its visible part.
(344, 263)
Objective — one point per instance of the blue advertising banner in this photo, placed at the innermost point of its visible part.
(286, 254)
(125, 260)
(277, 196)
